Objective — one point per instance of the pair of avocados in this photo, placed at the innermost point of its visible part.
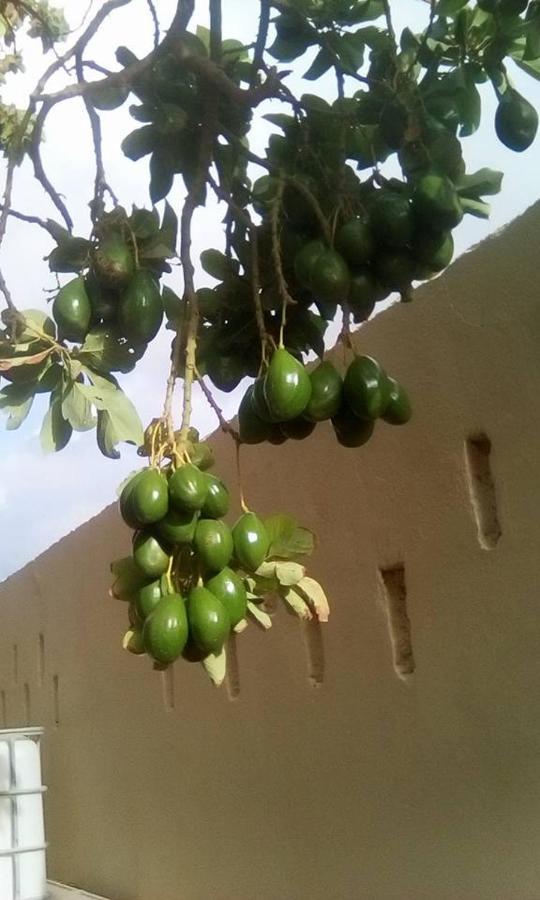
(114, 294)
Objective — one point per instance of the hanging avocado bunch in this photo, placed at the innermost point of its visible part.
(288, 402)
(189, 564)
(117, 288)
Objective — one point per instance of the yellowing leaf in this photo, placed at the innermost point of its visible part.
(297, 603)
(262, 618)
(216, 667)
(315, 596)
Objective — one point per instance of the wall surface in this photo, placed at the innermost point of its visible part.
(328, 778)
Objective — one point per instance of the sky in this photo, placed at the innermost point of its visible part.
(44, 497)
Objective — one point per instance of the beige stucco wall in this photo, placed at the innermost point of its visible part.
(366, 787)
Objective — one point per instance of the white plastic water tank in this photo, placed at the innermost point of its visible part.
(22, 831)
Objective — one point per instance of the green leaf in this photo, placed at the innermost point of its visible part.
(484, 181)
(475, 207)
(139, 143)
(144, 223)
(161, 176)
(55, 431)
(17, 411)
(280, 528)
(233, 51)
(349, 49)
(531, 67)
(261, 617)
(169, 228)
(106, 435)
(37, 319)
(287, 49)
(128, 578)
(450, 7)
(322, 62)
(103, 351)
(204, 36)
(216, 667)
(76, 408)
(216, 264)
(172, 304)
(287, 539)
(121, 421)
(70, 256)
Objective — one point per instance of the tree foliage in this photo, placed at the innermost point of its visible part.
(317, 227)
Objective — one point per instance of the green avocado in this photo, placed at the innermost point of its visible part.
(305, 260)
(354, 241)
(326, 393)
(436, 203)
(434, 251)
(72, 311)
(141, 308)
(225, 371)
(150, 497)
(213, 544)
(516, 121)
(178, 526)
(104, 301)
(252, 429)
(297, 429)
(209, 623)
(366, 388)
(149, 554)
(351, 431)
(251, 541)
(202, 456)
(217, 500)
(287, 387)
(392, 219)
(188, 487)
(330, 277)
(259, 403)
(398, 410)
(364, 292)
(147, 598)
(230, 590)
(126, 506)
(165, 630)
(396, 269)
(112, 261)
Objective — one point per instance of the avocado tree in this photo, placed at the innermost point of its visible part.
(318, 227)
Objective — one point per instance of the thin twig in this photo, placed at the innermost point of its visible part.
(260, 45)
(32, 220)
(223, 424)
(286, 298)
(155, 20)
(100, 184)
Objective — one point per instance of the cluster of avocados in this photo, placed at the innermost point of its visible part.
(114, 293)
(189, 565)
(288, 401)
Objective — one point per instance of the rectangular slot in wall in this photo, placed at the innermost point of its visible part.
(482, 490)
(232, 679)
(41, 660)
(3, 708)
(27, 711)
(56, 701)
(167, 687)
(394, 588)
(313, 641)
